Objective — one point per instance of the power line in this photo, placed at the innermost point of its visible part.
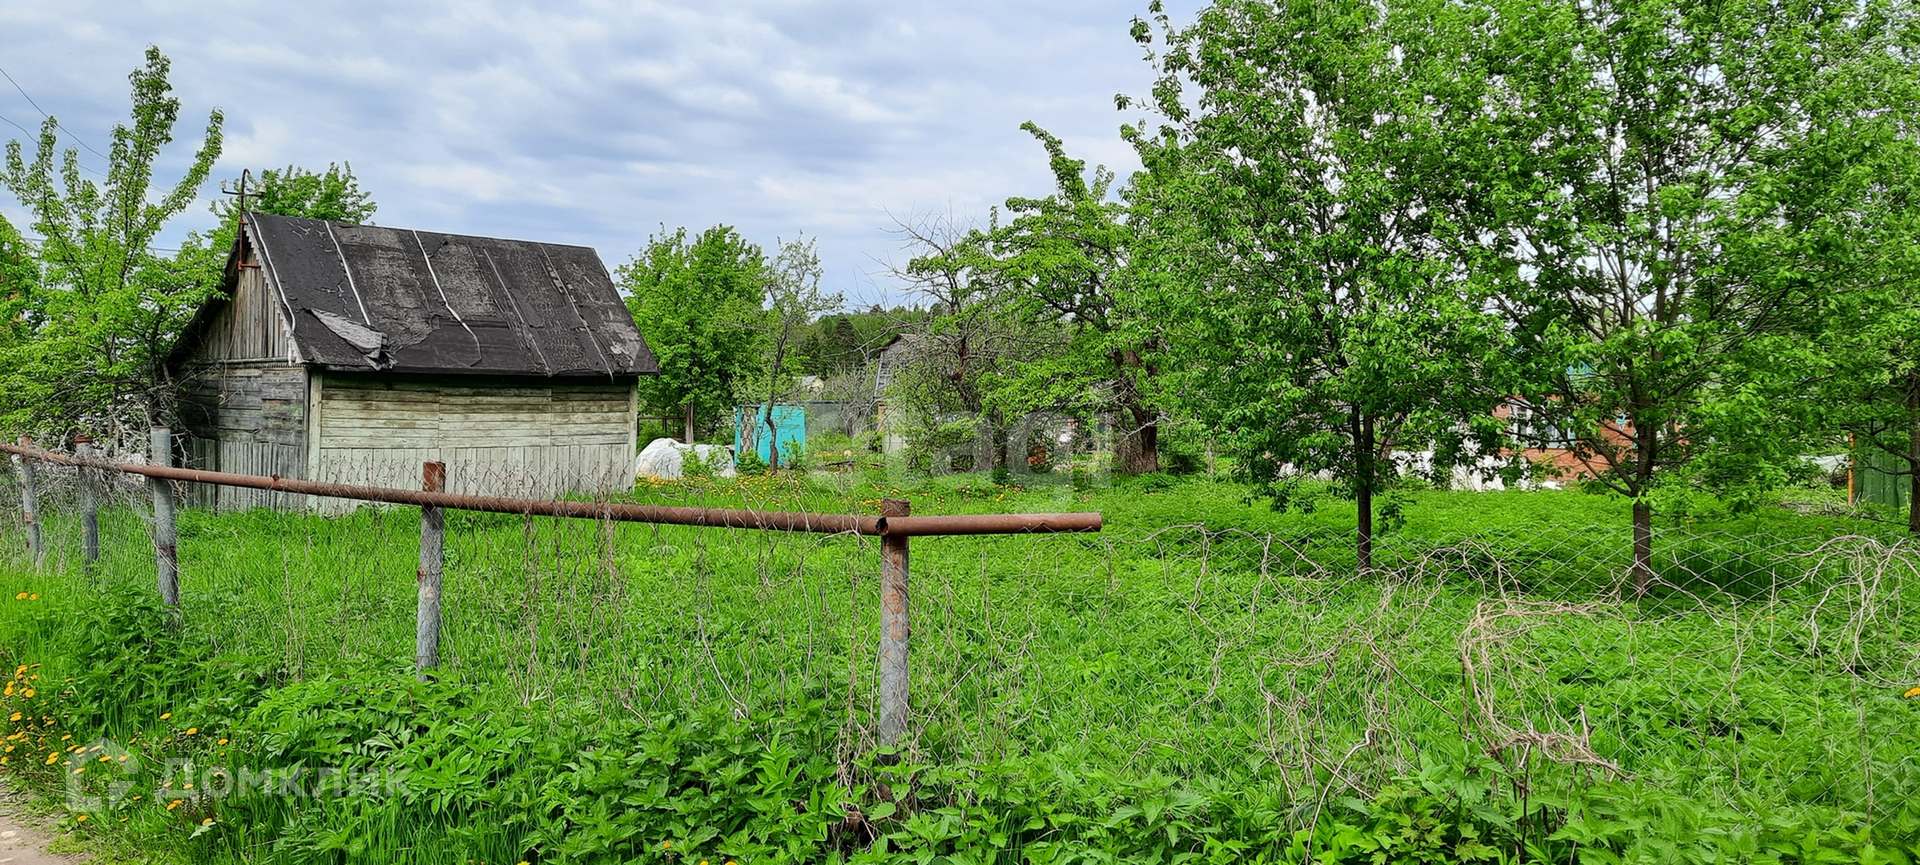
(16, 125)
(43, 113)
(83, 167)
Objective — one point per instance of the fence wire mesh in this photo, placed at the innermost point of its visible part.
(1757, 671)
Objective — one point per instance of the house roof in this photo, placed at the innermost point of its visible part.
(892, 356)
(363, 297)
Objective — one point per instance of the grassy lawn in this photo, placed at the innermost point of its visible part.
(1205, 678)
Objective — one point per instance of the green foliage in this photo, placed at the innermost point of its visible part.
(1655, 266)
(793, 300)
(293, 191)
(749, 463)
(1062, 264)
(1294, 213)
(98, 321)
(611, 689)
(698, 304)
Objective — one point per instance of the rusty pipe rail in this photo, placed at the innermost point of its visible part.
(787, 521)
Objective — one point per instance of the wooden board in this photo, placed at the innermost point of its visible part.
(517, 440)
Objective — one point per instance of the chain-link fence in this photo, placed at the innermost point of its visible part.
(1758, 672)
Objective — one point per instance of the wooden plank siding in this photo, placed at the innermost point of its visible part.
(243, 400)
(532, 440)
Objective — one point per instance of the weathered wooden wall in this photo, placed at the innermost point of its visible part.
(526, 439)
(244, 397)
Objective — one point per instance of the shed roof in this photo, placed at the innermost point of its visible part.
(363, 297)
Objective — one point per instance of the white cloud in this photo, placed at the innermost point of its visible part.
(595, 121)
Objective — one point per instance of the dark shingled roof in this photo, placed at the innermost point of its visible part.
(365, 297)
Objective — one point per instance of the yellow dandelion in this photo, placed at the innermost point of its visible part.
(223, 741)
(28, 693)
(207, 822)
(82, 818)
(14, 717)
(1913, 692)
(191, 731)
(668, 845)
(53, 758)
(104, 758)
(34, 597)
(173, 804)
(166, 715)
(20, 597)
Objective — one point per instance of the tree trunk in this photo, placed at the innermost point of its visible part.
(689, 435)
(1139, 446)
(999, 453)
(1913, 463)
(1363, 493)
(1642, 546)
(773, 440)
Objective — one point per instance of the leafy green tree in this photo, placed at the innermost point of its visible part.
(104, 310)
(1292, 219)
(1864, 377)
(1871, 387)
(698, 303)
(293, 191)
(832, 346)
(794, 301)
(1663, 174)
(335, 195)
(1063, 262)
(965, 348)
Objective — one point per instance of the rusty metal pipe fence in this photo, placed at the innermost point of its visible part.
(894, 526)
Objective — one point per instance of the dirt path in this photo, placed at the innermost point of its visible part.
(23, 839)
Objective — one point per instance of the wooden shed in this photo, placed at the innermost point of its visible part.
(355, 353)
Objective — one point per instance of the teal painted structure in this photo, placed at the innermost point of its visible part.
(750, 431)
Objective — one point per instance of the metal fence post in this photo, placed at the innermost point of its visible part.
(165, 540)
(895, 629)
(89, 504)
(30, 503)
(433, 529)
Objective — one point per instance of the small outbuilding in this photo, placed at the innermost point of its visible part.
(356, 353)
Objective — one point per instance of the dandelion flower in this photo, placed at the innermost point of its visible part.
(166, 715)
(173, 804)
(668, 845)
(207, 822)
(82, 818)
(1913, 692)
(20, 597)
(191, 731)
(34, 597)
(223, 741)
(14, 717)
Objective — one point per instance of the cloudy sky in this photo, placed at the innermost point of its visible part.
(596, 122)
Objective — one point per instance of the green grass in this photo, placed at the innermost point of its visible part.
(1205, 676)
